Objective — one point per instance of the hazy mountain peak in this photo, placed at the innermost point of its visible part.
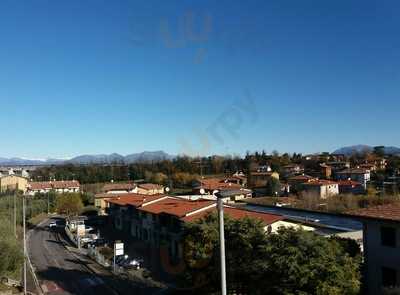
(146, 156)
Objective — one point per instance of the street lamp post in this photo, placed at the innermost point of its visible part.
(15, 215)
(220, 206)
(24, 236)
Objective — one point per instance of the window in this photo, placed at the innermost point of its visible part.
(388, 236)
(389, 277)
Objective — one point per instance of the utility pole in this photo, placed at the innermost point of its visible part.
(24, 233)
(15, 215)
(220, 206)
(48, 204)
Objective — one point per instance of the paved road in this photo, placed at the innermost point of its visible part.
(58, 270)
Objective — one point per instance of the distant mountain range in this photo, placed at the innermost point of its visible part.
(361, 148)
(93, 159)
(154, 157)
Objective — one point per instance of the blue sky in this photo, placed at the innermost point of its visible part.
(97, 76)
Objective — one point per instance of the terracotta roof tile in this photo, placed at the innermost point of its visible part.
(217, 184)
(150, 186)
(176, 207)
(301, 178)
(385, 212)
(54, 185)
(348, 182)
(136, 200)
(236, 214)
(118, 186)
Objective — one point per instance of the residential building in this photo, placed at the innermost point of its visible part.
(62, 186)
(338, 165)
(381, 227)
(13, 183)
(292, 169)
(272, 222)
(360, 175)
(241, 178)
(159, 221)
(326, 171)
(300, 179)
(260, 179)
(350, 187)
(322, 188)
(368, 166)
(120, 188)
(236, 195)
(206, 187)
(209, 185)
(156, 220)
(101, 200)
(150, 189)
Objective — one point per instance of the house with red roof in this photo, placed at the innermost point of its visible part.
(120, 188)
(208, 186)
(157, 220)
(322, 188)
(350, 187)
(154, 219)
(360, 175)
(68, 186)
(150, 189)
(381, 240)
(101, 200)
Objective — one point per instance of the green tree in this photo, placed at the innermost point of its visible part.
(87, 198)
(244, 239)
(300, 262)
(273, 187)
(69, 204)
(287, 262)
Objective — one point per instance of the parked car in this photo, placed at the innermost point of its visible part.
(98, 242)
(85, 241)
(52, 224)
(129, 263)
(134, 264)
